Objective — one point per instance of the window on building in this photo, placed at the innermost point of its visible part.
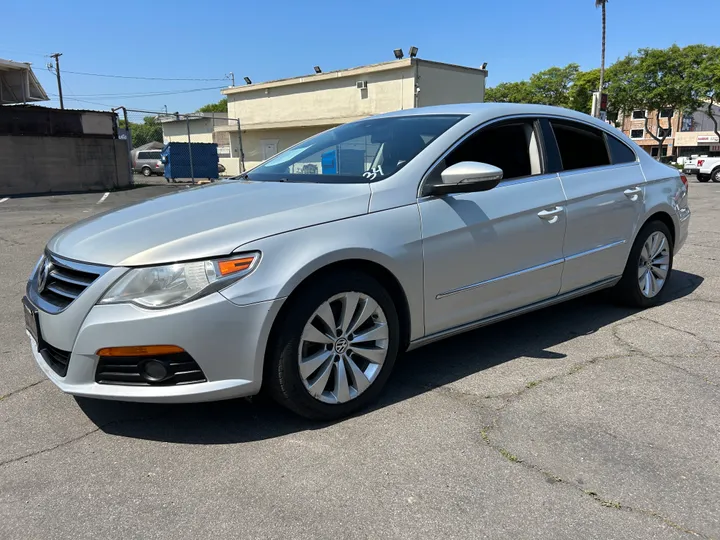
(637, 133)
(619, 151)
(666, 113)
(664, 132)
(654, 151)
(580, 146)
(687, 123)
(638, 114)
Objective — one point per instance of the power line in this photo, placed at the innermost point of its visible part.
(150, 94)
(140, 78)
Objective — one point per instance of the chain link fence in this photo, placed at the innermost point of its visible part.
(148, 132)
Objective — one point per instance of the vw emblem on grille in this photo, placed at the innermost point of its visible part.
(43, 273)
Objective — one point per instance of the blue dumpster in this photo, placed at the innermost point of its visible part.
(176, 157)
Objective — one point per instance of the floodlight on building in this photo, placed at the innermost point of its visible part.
(413, 52)
(247, 80)
(317, 69)
(484, 66)
(398, 53)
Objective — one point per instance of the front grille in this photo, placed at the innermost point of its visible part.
(58, 282)
(58, 360)
(181, 369)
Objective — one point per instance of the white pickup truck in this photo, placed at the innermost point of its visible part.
(705, 168)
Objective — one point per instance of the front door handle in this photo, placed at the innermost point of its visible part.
(551, 216)
(633, 193)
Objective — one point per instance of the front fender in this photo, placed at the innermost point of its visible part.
(391, 239)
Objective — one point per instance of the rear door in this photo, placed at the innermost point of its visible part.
(604, 186)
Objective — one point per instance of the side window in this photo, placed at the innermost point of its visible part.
(580, 146)
(619, 152)
(143, 155)
(512, 147)
(153, 155)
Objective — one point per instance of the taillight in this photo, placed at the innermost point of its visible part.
(684, 180)
(700, 162)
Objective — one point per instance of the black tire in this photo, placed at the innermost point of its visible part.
(146, 172)
(282, 373)
(627, 291)
(716, 175)
(703, 178)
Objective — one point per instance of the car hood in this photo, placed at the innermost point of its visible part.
(210, 221)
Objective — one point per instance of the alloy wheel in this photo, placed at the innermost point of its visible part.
(343, 347)
(654, 264)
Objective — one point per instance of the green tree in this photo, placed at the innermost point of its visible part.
(601, 83)
(548, 87)
(653, 80)
(149, 131)
(552, 86)
(581, 92)
(512, 92)
(702, 67)
(220, 106)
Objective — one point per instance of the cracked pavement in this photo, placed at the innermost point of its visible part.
(584, 420)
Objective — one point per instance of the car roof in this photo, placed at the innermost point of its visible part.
(486, 111)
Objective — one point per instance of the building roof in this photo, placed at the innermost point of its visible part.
(350, 72)
(182, 117)
(18, 83)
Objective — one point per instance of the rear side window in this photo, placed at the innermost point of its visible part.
(143, 155)
(619, 152)
(153, 155)
(580, 146)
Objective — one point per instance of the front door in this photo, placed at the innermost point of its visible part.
(489, 252)
(603, 183)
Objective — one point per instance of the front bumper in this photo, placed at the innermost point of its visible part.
(226, 340)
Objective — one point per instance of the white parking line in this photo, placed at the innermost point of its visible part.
(5, 199)
(103, 197)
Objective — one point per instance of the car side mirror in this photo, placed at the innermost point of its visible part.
(468, 176)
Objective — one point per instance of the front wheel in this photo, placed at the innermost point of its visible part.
(334, 348)
(146, 172)
(648, 267)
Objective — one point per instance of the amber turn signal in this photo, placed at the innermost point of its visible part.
(148, 350)
(231, 266)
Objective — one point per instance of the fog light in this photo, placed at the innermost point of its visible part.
(153, 370)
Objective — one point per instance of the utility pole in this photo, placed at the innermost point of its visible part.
(232, 77)
(57, 56)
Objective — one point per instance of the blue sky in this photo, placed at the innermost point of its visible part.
(283, 38)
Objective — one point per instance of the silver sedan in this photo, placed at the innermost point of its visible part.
(308, 275)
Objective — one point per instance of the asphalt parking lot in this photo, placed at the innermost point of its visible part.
(584, 420)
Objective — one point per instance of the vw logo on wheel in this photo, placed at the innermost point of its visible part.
(43, 274)
(341, 345)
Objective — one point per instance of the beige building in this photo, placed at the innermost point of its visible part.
(278, 114)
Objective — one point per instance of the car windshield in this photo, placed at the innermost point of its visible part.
(360, 152)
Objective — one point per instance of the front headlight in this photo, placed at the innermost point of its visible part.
(174, 284)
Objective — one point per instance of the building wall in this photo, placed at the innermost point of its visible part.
(646, 141)
(201, 130)
(33, 164)
(329, 101)
(441, 84)
(252, 142)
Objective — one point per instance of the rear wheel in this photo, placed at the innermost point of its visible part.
(648, 267)
(703, 178)
(716, 175)
(334, 348)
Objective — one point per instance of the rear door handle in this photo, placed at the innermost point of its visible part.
(633, 193)
(551, 216)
